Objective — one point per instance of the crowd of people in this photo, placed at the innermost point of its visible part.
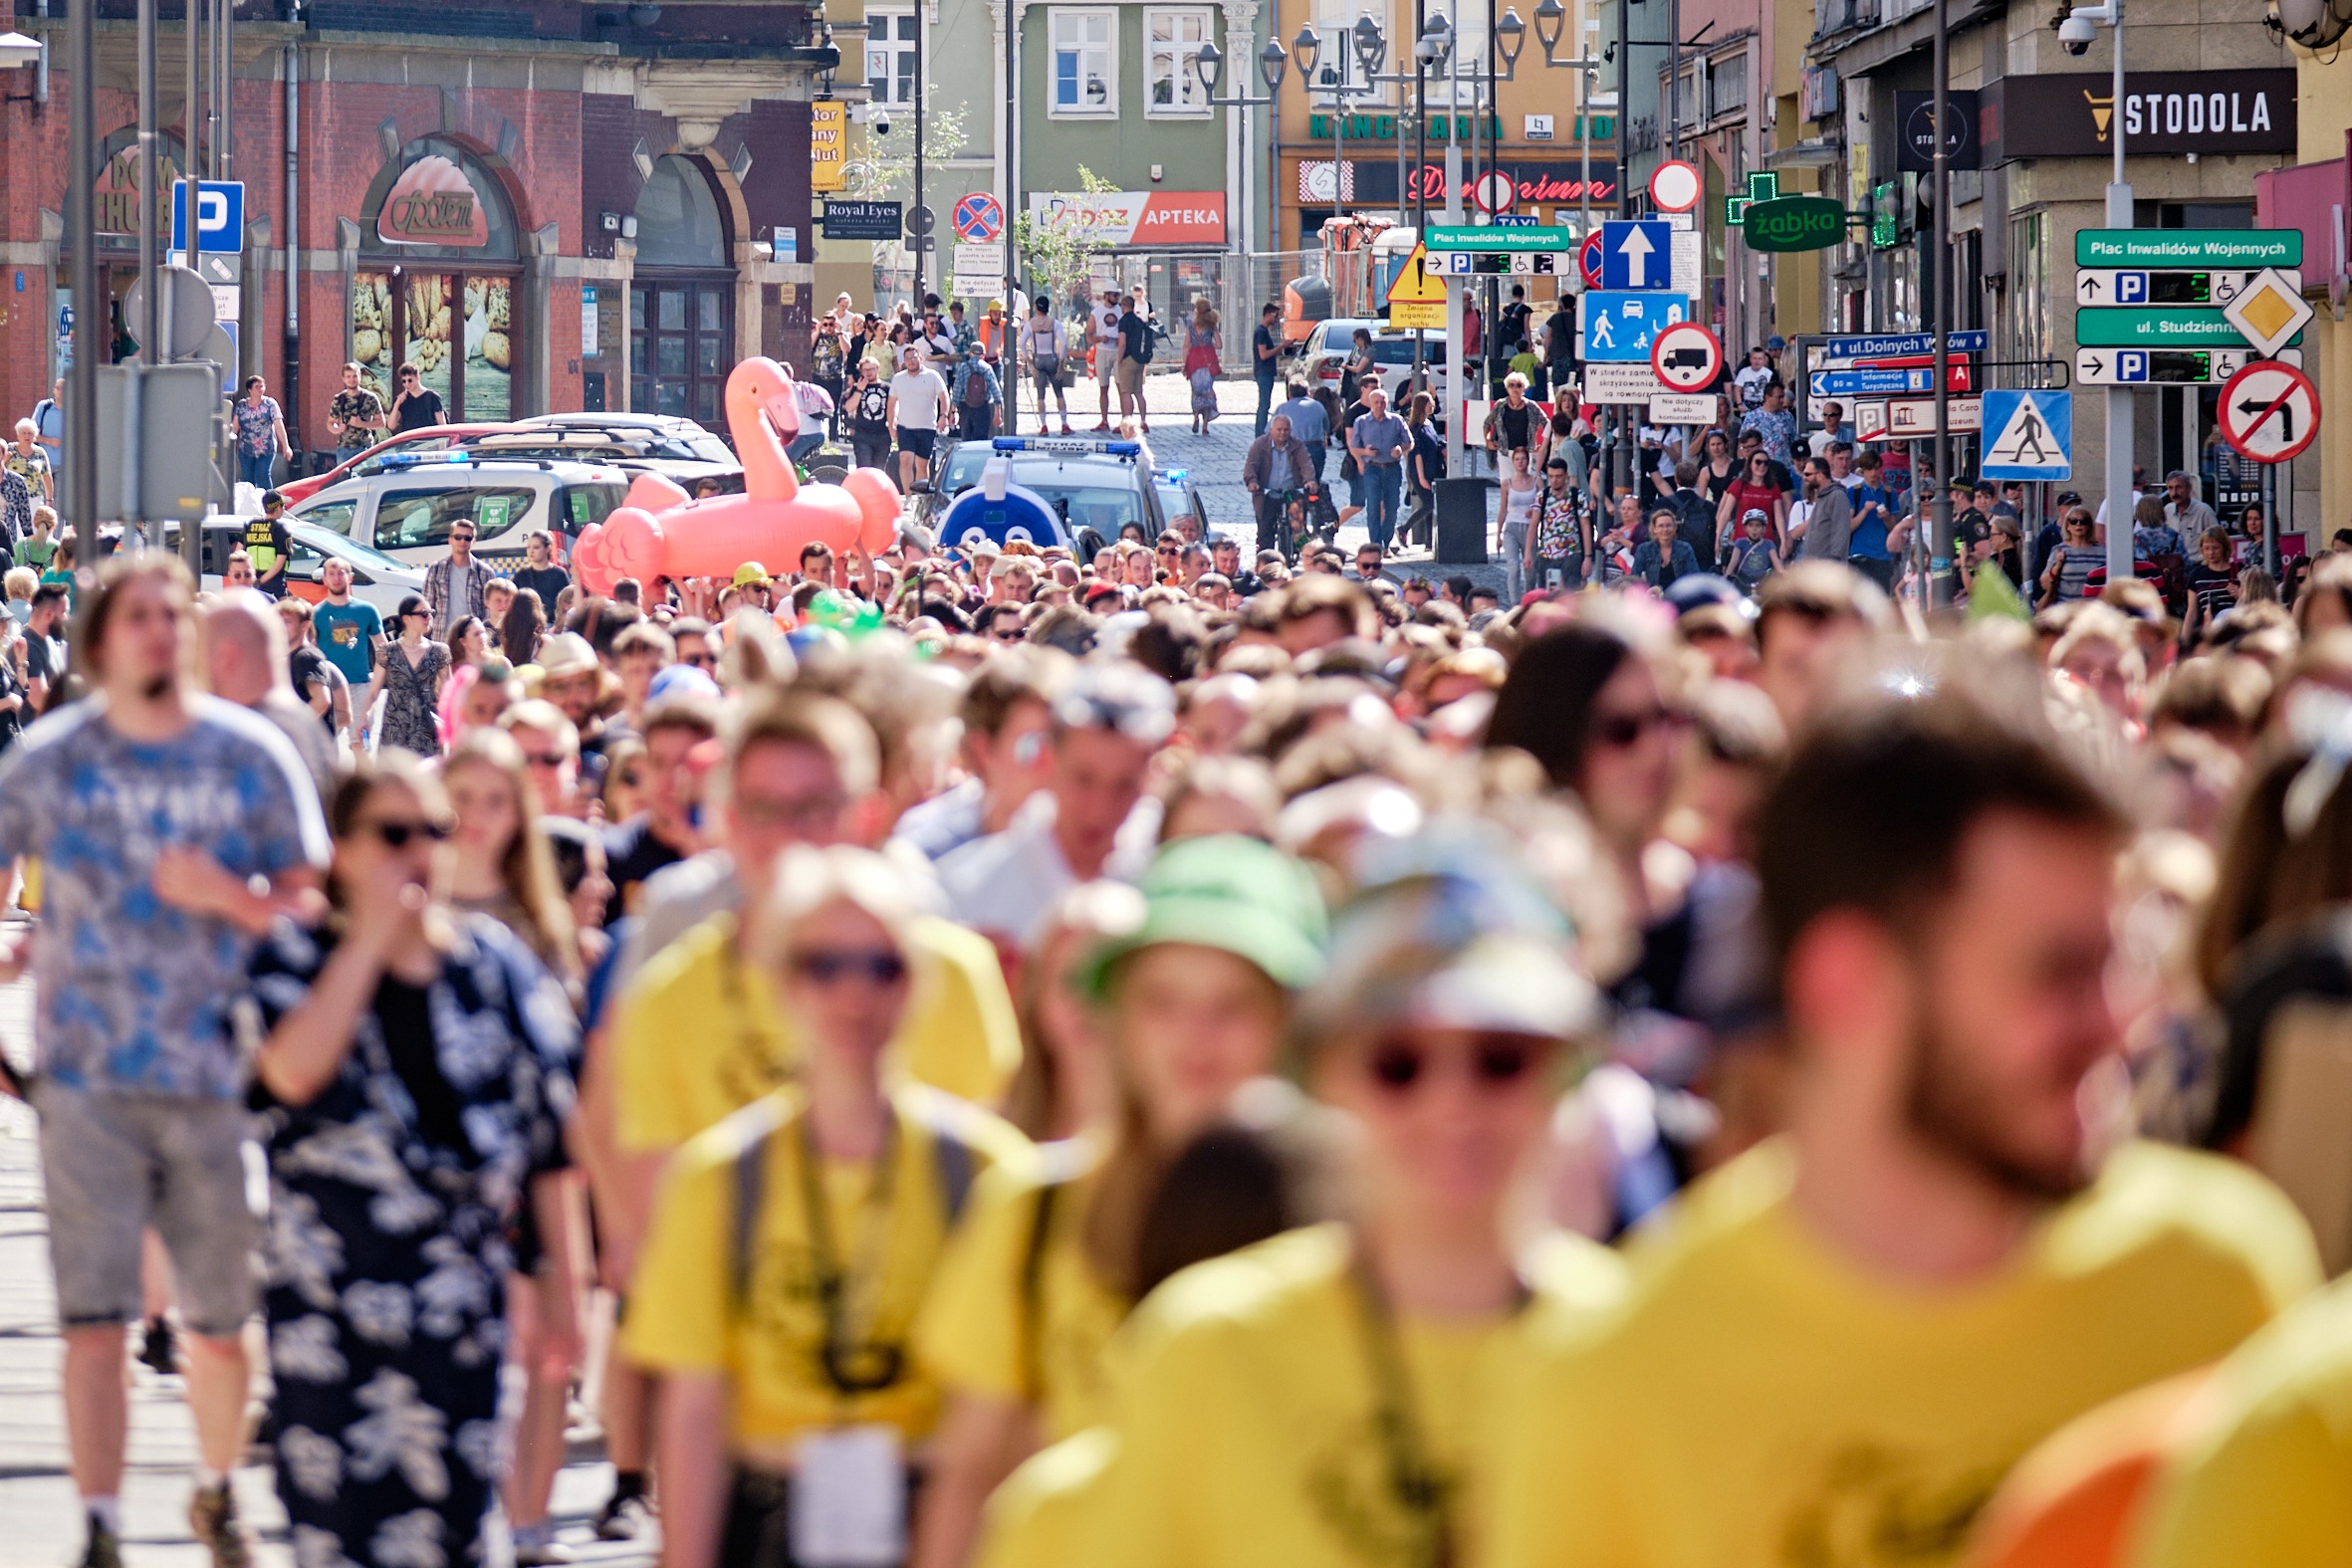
(982, 1056)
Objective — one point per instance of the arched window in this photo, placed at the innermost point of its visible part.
(499, 241)
(438, 285)
(682, 303)
(678, 221)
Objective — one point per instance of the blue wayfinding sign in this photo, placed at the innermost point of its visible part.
(221, 215)
(1872, 383)
(1879, 346)
(2029, 435)
(1620, 325)
(1636, 255)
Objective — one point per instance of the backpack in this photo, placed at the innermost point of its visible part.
(975, 390)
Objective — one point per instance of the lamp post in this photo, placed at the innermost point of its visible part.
(2119, 398)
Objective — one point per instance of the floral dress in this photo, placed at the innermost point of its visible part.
(390, 1194)
(410, 692)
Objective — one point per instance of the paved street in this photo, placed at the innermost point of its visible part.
(39, 1526)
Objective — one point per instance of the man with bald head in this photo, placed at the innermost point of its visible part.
(243, 647)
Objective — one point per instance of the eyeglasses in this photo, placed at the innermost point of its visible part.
(461, 539)
(1625, 729)
(832, 966)
(1494, 1062)
(398, 835)
(416, 615)
(410, 377)
(1170, 552)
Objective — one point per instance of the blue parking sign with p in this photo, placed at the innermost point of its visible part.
(2131, 364)
(221, 215)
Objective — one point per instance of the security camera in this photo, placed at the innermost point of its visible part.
(2075, 35)
(881, 119)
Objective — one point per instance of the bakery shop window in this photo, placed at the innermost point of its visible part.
(439, 276)
(682, 299)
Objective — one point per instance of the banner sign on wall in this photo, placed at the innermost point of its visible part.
(1140, 218)
(432, 203)
(2071, 115)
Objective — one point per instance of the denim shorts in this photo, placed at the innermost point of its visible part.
(115, 1164)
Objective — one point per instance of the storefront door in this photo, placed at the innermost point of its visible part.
(680, 329)
(456, 328)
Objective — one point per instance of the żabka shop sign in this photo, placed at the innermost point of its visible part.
(1138, 218)
(432, 203)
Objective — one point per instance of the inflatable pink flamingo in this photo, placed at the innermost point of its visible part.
(659, 531)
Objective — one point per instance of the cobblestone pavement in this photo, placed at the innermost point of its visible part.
(40, 1522)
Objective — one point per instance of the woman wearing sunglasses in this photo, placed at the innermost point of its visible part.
(794, 1244)
(415, 668)
(412, 1082)
(1192, 1003)
(1315, 1398)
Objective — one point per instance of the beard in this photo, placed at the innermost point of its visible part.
(1961, 1111)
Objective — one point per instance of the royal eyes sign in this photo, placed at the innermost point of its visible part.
(432, 203)
(2161, 113)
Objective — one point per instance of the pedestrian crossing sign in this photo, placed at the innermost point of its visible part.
(1417, 297)
(2029, 435)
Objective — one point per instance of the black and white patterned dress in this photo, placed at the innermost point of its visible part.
(389, 1198)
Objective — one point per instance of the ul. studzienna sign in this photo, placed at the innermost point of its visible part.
(2163, 112)
(432, 203)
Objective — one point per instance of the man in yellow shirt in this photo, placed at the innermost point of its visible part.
(1842, 1341)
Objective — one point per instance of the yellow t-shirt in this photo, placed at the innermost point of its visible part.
(1247, 1420)
(1760, 1400)
(686, 1313)
(984, 1333)
(2268, 1479)
(697, 1035)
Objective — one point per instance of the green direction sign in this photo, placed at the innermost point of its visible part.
(2188, 248)
(2157, 329)
(1793, 223)
(1480, 237)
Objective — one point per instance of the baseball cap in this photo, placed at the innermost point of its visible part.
(1238, 895)
(566, 653)
(681, 680)
(749, 572)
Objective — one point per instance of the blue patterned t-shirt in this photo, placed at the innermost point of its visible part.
(134, 992)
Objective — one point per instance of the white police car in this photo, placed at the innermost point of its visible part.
(1090, 483)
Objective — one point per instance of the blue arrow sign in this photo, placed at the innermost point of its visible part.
(221, 215)
(1620, 325)
(1872, 383)
(1886, 345)
(1637, 254)
(2029, 435)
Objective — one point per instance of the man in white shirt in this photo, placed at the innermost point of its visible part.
(1833, 430)
(1092, 819)
(918, 408)
(1103, 319)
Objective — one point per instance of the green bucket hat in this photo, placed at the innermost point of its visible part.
(1239, 895)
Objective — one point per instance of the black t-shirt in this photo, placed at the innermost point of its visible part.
(307, 666)
(1514, 325)
(1134, 339)
(870, 410)
(406, 1022)
(567, 837)
(1260, 342)
(548, 583)
(633, 852)
(417, 410)
(45, 659)
(1514, 427)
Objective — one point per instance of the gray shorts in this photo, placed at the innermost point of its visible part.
(115, 1164)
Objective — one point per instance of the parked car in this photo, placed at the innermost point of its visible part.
(405, 511)
(1178, 497)
(629, 449)
(376, 577)
(676, 437)
(428, 438)
(1330, 343)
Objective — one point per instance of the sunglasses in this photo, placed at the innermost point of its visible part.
(830, 967)
(461, 539)
(418, 615)
(1399, 1067)
(1624, 729)
(398, 835)
(409, 378)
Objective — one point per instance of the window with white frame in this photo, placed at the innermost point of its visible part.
(1726, 85)
(890, 53)
(1336, 63)
(1172, 42)
(1086, 61)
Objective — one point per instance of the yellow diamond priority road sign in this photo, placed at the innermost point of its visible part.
(2269, 313)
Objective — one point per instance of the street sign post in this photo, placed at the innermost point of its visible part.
(2168, 286)
(1622, 326)
(1885, 382)
(1589, 259)
(1485, 237)
(2269, 411)
(2154, 327)
(1637, 254)
(1914, 420)
(2031, 435)
(1495, 192)
(2233, 248)
(1686, 357)
(1681, 408)
(1888, 345)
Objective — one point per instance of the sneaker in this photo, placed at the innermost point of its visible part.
(156, 1352)
(535, 1546)
(104, 1550)
(623, 1518)
(1066, 429)
(213, 1516)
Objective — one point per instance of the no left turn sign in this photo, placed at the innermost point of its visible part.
(2269, 411)
(1686, 357)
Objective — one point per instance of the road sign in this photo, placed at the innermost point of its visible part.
(2269, 411)
(1417, 297)
(1622, 383)
(1681, 408)
(921, 220)
(2166, 367)
(1485, 237)
(1687, 356)
(1589, 259)
(1622, 326)
(979, 217)
(1517, 220)
(1676, 186)
(2032, 435)
(1637, 254)
(221, 215)
(190, 311)
(1495, 192)
(980, 258)
(1914, 420)
(2269, 310)
(2168, 286)
(1880, 345)
(1885, 383)
(860, 220)
(2241, 248)
(1793, 223)
(2157, 327)
(1687, 272)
